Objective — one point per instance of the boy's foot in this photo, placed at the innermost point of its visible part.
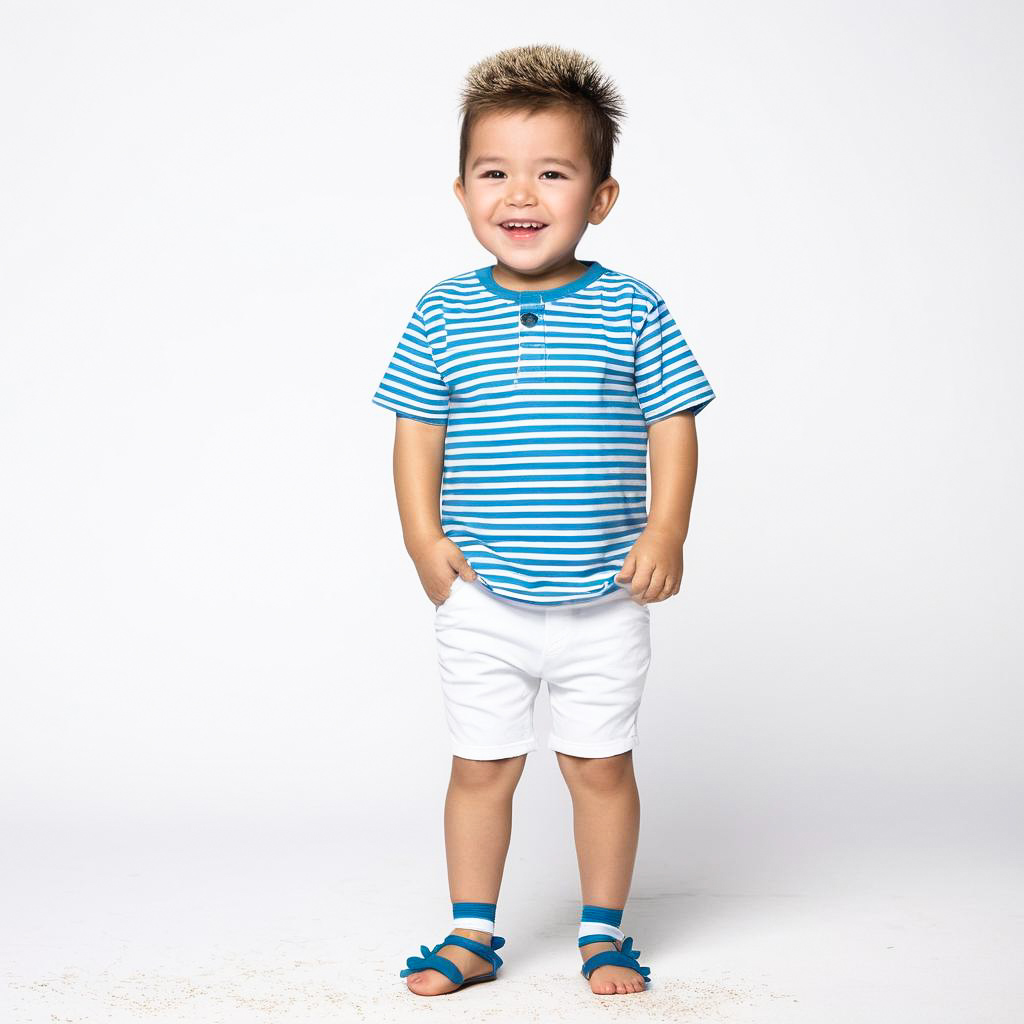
(433, 983)
(610, 980)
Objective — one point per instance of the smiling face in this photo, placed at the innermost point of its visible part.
(532, 169)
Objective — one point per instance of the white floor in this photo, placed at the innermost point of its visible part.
(222, 924)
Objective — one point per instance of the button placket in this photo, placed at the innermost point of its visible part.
(532, 361)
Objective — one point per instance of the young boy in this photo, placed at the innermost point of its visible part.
(527, 395)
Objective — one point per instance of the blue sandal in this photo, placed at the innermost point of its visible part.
(624, 956)
(433, 961)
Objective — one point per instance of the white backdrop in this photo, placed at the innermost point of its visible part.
(216, 218)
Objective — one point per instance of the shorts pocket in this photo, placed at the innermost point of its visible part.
(451, 593)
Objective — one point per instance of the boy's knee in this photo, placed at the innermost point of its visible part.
(495, 773)
(596, 772)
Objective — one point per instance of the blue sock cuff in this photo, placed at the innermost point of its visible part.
(601, 915)
(484, 911)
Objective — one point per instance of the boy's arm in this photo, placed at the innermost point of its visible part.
(418, 457)
(655, 562)
(672, 454)
(418, 462)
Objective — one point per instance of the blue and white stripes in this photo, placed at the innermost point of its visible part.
(545, 397)
(474, 916)
(600, 924)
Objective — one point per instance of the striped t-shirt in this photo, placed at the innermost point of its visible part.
(546, 397)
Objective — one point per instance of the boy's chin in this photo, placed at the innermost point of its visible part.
(529, 262)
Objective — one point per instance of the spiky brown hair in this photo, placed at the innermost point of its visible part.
(538, 78)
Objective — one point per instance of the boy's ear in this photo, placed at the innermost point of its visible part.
(460, 192)
(604, 199)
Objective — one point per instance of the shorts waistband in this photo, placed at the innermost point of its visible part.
(620, 593)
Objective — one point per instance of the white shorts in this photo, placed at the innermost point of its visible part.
(494, 652)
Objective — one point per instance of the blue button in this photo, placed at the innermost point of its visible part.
(529, 319)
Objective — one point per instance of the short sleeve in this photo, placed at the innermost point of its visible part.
(412, 385)
(668, 378)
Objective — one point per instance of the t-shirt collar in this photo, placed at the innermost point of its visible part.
(592, 273)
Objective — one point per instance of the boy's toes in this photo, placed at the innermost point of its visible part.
(605, 983)
(429, 983)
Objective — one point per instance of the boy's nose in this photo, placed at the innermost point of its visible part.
(520, 194)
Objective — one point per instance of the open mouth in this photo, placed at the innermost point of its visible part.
(522, 228)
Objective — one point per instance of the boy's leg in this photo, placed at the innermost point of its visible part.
(596, 667)
(488, 653)
(477, 833)
(606, 826)
(478, 825)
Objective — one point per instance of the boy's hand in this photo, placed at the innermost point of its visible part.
(654, 565)
(438, 561)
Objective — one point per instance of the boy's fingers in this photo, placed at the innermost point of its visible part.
(658, 588)
(641, 584)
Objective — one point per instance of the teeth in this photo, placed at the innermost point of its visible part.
(522, 224)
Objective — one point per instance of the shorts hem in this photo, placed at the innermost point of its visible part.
(492, 753)
(607, 749)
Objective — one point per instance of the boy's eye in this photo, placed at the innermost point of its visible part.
(487, 174)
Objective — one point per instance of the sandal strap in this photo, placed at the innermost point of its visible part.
(624, 956)
(432, 960)
(612, 957)
(477, 947)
